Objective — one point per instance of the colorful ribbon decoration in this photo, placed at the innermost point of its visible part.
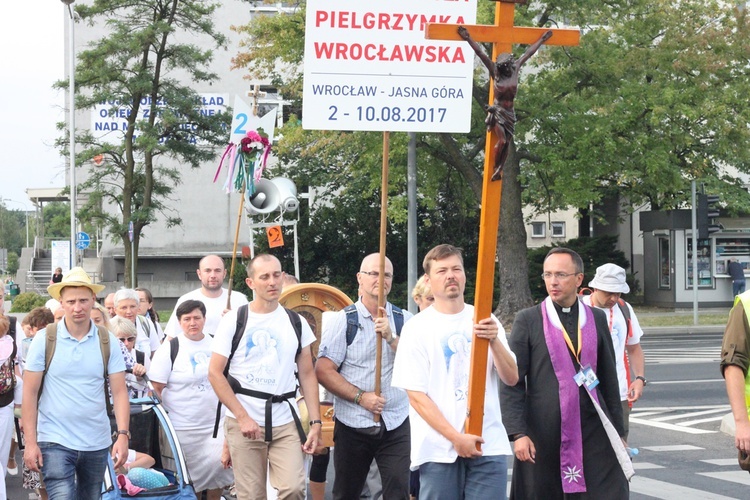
(245, 163)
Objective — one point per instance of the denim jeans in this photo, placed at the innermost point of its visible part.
(738, 286)
(71, 474)
(465, 479)
(354, 451)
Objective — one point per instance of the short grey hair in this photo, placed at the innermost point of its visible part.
(119, 324)
(126, 294)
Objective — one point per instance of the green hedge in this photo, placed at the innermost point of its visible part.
(27, 301)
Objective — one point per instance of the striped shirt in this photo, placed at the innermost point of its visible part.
(357, 365)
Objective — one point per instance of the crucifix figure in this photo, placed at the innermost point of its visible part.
(501, 115)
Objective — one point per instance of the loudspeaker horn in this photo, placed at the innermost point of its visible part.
(266, 198)
(288, 192)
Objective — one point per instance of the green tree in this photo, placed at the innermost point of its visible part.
(150, 50)
(12, 263)
(12, 229)
(647, 103)
(57, 220)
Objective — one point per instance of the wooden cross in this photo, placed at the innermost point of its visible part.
(255, 94)
(503, 34)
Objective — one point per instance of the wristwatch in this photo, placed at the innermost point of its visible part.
(642, 379)
(116, 434)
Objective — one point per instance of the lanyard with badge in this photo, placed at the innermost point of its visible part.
(585, 375)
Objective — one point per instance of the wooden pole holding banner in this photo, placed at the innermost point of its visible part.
(234, 247)
(381, 280)
(502, 35)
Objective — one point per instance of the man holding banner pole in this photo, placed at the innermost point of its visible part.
(369, 423)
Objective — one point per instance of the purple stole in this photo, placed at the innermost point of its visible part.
(571, 442)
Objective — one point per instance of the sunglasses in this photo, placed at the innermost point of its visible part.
(127, 339)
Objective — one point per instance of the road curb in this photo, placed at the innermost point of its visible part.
(685, 329)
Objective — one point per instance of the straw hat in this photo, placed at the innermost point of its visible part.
(610, 278)
(76, 277)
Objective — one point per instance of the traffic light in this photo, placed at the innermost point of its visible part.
(708, 212)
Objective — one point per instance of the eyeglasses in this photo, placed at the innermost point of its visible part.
(127, 339)
(376, 274)
(558, 276)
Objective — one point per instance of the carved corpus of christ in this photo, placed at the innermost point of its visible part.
(501, 116)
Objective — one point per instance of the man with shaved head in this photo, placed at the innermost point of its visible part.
(369, 425)
(211, 272)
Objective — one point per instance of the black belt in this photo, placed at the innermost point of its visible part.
(270, 400)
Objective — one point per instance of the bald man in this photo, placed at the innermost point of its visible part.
(211, 272)
(368, 425)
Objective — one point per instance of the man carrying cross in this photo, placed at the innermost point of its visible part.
(432, 365)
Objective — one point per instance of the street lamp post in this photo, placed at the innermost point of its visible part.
(72, 127)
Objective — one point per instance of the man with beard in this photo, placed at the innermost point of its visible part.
(211, 272)
(565, 363)
(433, 366)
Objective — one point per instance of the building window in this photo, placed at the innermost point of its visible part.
(665, 264)
(537, 229)
(558, 230)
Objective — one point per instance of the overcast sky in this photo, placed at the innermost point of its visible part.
(32, 41)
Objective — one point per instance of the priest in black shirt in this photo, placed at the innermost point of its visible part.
(564, 352)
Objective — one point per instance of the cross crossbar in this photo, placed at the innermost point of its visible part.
(495, 34)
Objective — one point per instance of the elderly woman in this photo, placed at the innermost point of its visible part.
(179, 374)
(125, 332)
(127, 304)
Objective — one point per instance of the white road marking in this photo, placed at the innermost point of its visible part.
(670, 491)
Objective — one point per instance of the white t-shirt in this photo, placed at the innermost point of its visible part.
(188, 395)
(214, 310)
(434, 357)
(147, 339)
(618, 327)
(264, 360)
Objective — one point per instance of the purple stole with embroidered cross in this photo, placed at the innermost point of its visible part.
(571, 442)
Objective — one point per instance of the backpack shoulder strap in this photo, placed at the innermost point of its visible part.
(352, 323)
(239, 329)
(12, 328)
(398, 318)
(50, 338)
(174, 348)
(626, 313)
(103, 335)
(51, 343)
(297, 325)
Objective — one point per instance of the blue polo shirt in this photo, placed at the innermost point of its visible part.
(72, 409)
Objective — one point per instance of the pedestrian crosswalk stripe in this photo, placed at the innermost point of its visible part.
(735, 476)
(662, 489)
(672, 447)
(722, 462)
(646, 466)
(669, 427)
